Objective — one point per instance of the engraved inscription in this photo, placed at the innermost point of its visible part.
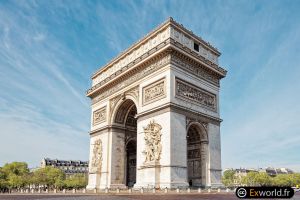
(196, 94)
(154, 91)
(99, 116)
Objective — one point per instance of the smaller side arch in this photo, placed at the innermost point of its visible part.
(198, 127)
(197, 152)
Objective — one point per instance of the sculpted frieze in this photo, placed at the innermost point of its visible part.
(196, 69)
(134, 55)
(131, 78)
(99, 116)
(191, 92)
(154, 91)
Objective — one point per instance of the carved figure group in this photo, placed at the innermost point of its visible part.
(153, 142)
(96, 162)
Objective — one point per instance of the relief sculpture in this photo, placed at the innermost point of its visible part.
(196, 94)
(96, 162)
(99, 116)
(153, 142)
(154, 92)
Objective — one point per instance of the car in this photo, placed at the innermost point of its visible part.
(296, 189)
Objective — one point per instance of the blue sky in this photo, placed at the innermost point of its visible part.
(49, 49)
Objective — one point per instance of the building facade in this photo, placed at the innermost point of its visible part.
(155, 114)
(242, 172)
(69, 167)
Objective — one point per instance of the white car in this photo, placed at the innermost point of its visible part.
(296, 189)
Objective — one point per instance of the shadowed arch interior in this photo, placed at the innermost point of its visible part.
(195, 136)
(126, 115)
(124, 110)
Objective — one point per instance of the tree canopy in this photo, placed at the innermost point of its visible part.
(229, 179)
(16, 175)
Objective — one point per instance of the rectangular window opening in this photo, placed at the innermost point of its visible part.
(196, 47)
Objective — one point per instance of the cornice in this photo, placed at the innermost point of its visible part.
(138, 61)
(210, 65)
(195, 37)
(158, 29)
(167, 47)
(136, 48)
(107, 127)
(126, 79)
(182, 110)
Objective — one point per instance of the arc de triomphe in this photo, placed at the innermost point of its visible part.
(155, 114)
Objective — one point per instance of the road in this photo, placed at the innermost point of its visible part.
(126, 197)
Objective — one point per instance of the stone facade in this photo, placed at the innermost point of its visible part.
(69, 167)
(155, 114)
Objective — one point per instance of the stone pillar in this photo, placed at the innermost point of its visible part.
(170, 170)
(204, 162)
(117, 160)
(99, 175)
(178, 151)
(214, 171)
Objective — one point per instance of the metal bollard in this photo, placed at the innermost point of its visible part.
(199, 190)
(178, 190)
(227, 190)
(189, 190)
(47, 191)
(118, 190)
(64, 191)
(142, 190)
(219, 190)
(74, 191)
(106, 190)
(166, 190)
(129, 190)
(208, 190)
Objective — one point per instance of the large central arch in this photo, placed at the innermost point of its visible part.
(125, 116)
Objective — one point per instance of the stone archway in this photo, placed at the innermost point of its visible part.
(196, 155)
(125, 116)
(152, 88)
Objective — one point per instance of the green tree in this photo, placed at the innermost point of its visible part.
(76, 181)
(17, 168)
(250, 179)
(16, 174)
(228, 178)
(48, 176)
(263, 179)
(283, 180)
(3, 180)
(296, 179)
